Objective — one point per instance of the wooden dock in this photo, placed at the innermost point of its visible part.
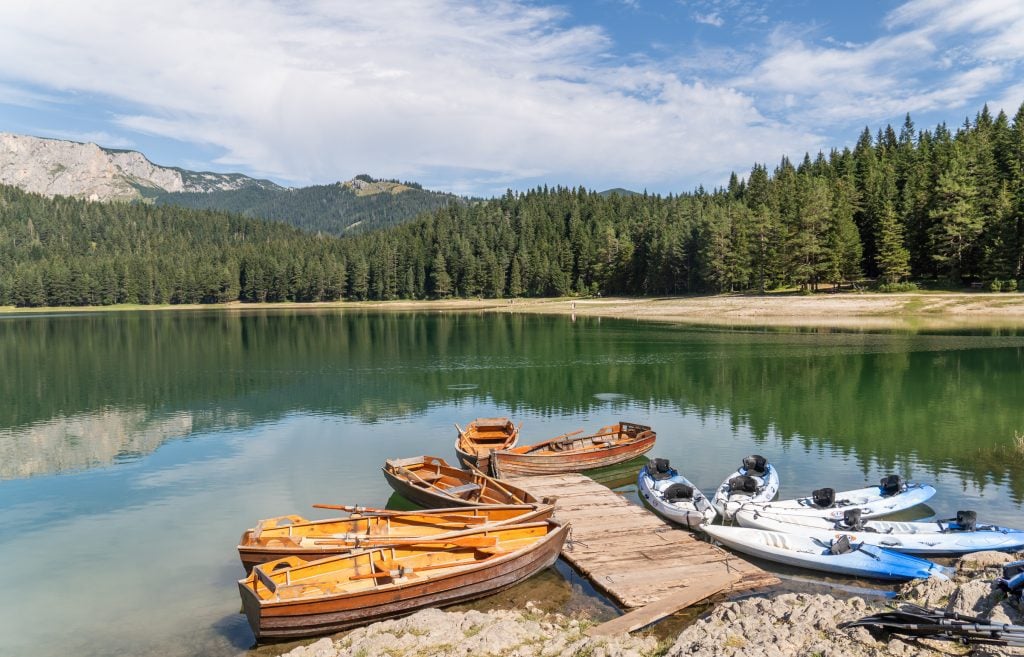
(636, 558)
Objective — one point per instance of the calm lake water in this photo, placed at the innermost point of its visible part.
(135, 448)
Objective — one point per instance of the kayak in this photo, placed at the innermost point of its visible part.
(841, 556)
(755, 481)
(891, 496)
(672, 496)
(954, 536)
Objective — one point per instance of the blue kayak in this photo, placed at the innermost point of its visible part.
(839, 556)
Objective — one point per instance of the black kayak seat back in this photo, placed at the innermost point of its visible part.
(742, 484)
(841, 545)
(891, 485)
(967, 521)
(852, 519)
(678, 492)
(755, 464)
(823, 498)
(658, 469)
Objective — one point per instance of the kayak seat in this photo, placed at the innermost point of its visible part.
(658, 469)
(742, 484)
(891, 485)
(841, 545)
(755, 465)
(678, 492)
(823, 498)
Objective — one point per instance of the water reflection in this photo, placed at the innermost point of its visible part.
(132, 381)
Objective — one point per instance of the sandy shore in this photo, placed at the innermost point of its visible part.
(912, 311)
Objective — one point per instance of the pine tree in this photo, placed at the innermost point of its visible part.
(893, 258)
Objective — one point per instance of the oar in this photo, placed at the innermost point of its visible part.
(362, 510)
(494, 482)
(409, 473)
(548, 442)
(464, 541)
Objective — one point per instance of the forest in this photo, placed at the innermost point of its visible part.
(902, 208)
(333, 209)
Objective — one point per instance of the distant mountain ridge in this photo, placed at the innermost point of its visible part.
(85, 170)
(55, 167)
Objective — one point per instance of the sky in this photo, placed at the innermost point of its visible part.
(479, 97)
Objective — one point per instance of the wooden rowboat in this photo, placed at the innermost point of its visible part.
(483, 435)
(430, 482)
(276, 538)
(574, 453)
(291, 598)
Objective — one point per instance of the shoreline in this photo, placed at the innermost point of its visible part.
(774, 623)
(850, 311)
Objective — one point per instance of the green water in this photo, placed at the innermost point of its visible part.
(135, 448)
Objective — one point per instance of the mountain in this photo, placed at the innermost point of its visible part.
(344, 208)
(56, 167)
(618, 191)
(69, 168)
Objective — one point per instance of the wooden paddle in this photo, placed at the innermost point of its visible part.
(494, 482)
(548, 442)
(362, 510)
(464, 541)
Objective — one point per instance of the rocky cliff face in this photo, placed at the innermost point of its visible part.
(68, 168)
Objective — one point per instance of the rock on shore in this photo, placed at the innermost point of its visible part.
(774, 625)
(436, 633)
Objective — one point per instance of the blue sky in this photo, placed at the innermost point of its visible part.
(479, 97)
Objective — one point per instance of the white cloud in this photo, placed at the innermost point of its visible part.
(321, 90)
(99, 137)
(712, 18)
(938, 55)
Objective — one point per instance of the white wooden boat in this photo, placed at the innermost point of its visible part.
(954, 536)
(839, 555)
(755, 481)
(672, 496)
(891, 496)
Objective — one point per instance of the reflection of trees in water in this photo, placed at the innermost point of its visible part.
(885, 399)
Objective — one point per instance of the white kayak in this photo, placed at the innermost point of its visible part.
(840, 556)
(891, 496)
(672, 496)
(755, 481)
(960, 535)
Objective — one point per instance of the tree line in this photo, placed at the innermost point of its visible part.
(933, 205)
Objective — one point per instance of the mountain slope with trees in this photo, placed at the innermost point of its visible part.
(345, 208)
(937, 204)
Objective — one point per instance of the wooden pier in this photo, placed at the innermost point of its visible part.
(637, 559)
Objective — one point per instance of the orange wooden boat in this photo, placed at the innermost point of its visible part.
(431, 482)
(574, 453)
(291, 598)
(284, 536)
(483, 435)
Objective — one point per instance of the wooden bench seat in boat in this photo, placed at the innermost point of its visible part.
(464, 491)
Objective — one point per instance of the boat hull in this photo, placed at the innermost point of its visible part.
(726, 503)
(863, 561)
(253, 551)
(691, 513)
(870, 501)
(434, 497)
(921, 538)
(276, 620)
(505, 463)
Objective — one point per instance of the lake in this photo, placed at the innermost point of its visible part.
(136, 447)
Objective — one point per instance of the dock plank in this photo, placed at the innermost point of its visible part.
(637, 559)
